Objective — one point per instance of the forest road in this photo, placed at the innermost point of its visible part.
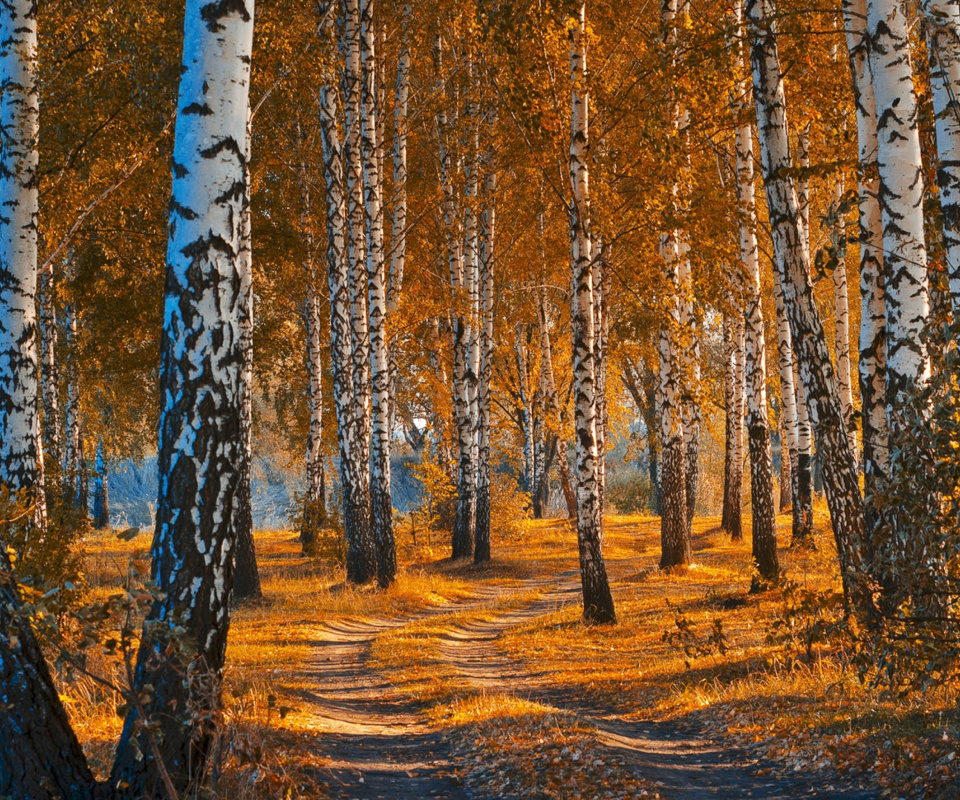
(381, 748)
(379, 745)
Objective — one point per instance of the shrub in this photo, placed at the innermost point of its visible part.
(629, 492)
(914, 548)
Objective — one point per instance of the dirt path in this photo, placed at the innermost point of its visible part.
(382, 748)
(685, 766)
(379, 745)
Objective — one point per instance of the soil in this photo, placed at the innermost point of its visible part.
(381, 747)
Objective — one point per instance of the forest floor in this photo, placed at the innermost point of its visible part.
(467, 682)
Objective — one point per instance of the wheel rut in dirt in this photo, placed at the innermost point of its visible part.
(681, 763)
(379, 745)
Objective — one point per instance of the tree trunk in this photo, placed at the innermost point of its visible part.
(842, 316)
(872, 346)
(690, 374)
(71, 454)
(51, 372)
(758, 426)
(601, 336)
(597, 600)
(788, 403)
(314, 506)
(362, 552)
(461, 276)
(381, 503)
(101, 498)
(786, 472)
(943, 48)
(201, 444)
(840, 476)
(41, 758)
(246, 575)
(526, 408)
(730, 518)
(553, 402)
(481, 551)
(314, 513)
(398, 205)
(900, 169)
(803, 494)
(354, 462)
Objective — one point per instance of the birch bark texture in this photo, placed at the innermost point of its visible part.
(597, 599)
(200, 449)
(943, 48)
(246, 575)
(840, 477)
(20, 127)
(488, 222)
(361, 553)
(872, 336)
(675, 483)
(351, 438)
(41, 758)
(900, 168)
(52, 438)
(758, 426)
(381, 505)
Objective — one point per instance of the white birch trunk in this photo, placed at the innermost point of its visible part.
(597, 600)
(341, 275)
(943, 48)
(356, 228)
(200, 452)
(398, 205)
(803, 494)
(50, 372)
(872, 344)
(19, 125)
(71, 453)
(842, 315)
(371, 144)
(840, 476)
(526, 406)
(758, 426)
(481, 551)
(900, 169)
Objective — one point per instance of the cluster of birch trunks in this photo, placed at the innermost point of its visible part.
(202, 549)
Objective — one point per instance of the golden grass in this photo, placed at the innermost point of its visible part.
(802, 715)
(763, 695)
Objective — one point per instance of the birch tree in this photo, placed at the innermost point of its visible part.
(362, 555)
(41, 757)
(597, 600)
(733, 398)
(488, 220)
(872, 337)
(676, 435)
(758, 426)
(381, 515)
(840, 478)
(350, 412)
(943, 48)
(200, 456)
(52, 439)
(899, 165)
(842, 306)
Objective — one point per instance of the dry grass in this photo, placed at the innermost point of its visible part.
(763, 696)
(803, 714)
(269, 748)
